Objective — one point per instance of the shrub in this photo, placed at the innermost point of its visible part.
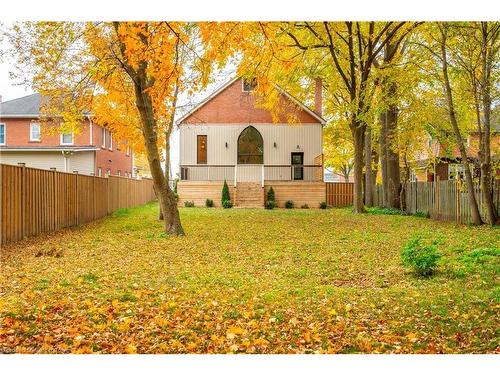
(189, 204)
(421, 258)
(176, 196)
(323, 205)
(289, 204)
(225, 193)
(304, 206)
(383, 211)
(270, 205)
(270, 195)
(422, 214)
(227, 204)
(209, 203)
(270, 199)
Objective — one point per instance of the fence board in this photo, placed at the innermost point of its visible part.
(446, 200)
(339, 194)
(35, 201)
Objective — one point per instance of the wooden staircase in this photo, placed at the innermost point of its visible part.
(249, 195)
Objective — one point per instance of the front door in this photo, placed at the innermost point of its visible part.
(201, 157)
(298, 165)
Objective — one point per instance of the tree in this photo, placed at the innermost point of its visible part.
(338, 148)
(293, 54)
(127, 74)
(475, 53)
(443, 44)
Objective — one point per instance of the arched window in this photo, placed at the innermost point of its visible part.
(250, 147)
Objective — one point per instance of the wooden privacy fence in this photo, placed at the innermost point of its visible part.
(34, 201)
(339, 194)
(443, 200)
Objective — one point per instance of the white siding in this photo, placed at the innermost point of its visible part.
(83, 162)
(287, 137)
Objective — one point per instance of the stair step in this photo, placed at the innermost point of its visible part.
(249, 195)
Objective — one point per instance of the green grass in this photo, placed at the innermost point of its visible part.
(265, 281)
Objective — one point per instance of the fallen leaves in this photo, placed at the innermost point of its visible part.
(227, 289)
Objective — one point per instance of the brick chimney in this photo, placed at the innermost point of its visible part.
(318, 96)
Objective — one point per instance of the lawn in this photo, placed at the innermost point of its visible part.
(254, 281)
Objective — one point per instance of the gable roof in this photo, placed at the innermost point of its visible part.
(230, 82)
(26, 106)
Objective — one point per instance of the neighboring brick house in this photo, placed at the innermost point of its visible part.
(23, 139)
(227, 137)
(444, 161)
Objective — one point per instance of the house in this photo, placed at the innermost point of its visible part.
(24, 139)
(442, 159)
(227, 137)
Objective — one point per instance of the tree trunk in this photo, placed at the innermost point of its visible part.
(383, 156)
(485, 144)
(369, 178)
(165, 196)
(358, 134)
(392, 158)
(476, 216)
(144, 105)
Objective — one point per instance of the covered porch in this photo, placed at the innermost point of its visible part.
(258, 173)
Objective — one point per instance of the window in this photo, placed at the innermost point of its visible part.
(249, 84)
(67, 139)
(2, 134)
(108, 172)
(456, 172)
(201, 154)
(250, 147)
(99, 171)
(119, 173)
(103, 137)
(34, 132)
(110, 140)
(128, 150)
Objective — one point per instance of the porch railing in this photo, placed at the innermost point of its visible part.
(251, 173)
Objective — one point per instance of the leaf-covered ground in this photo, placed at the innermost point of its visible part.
(254, 281)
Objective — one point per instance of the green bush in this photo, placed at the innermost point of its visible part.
(420, 257)
(225, 193)
(304, 206)
(270, 195)
(384, 211)
(289, 204)
(209, 203)
(270, 199)
(227, 204)
(422, 214)
(270, 205)
(323, 205)
(189, 204)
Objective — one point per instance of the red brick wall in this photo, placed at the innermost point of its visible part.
(114, 160)
(233, 106)
(18, 134)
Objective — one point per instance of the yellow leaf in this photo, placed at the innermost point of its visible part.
(131, 349)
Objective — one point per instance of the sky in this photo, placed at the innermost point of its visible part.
(9, 89)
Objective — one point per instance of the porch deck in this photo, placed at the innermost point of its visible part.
(252, 173)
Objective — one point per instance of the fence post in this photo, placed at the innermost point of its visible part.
(94, 198)
(23, 200)
(436, 197)
(77, 196)
(54, 196)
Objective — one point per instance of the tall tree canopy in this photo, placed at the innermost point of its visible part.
(126, 74)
